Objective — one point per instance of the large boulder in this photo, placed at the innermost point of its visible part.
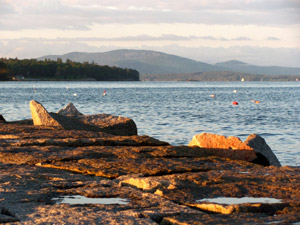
(70, 118)
(2, 119)
(255, 145)
(207, 140)
(258, 144)
(41, 116)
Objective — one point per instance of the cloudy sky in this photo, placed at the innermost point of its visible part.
(262, 32)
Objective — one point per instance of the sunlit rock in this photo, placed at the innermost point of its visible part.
(228, 147)
(239, 208)
(41, 116)
(206, 140)
(254, 145)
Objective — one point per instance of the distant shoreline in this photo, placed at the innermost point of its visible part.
(148, 81)
(221, 76)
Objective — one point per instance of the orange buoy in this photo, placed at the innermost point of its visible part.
(256, 102)
(212, 96)
(235, 103)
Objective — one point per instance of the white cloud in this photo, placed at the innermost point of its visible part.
(273, 39)
(31, 28)
(78, 14)
(242, 39)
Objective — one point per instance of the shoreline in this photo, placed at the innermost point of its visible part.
(156, 182)
(116, 176)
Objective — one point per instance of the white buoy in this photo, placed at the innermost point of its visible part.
(75, 94)
(234, 91)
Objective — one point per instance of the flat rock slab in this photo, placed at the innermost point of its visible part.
(163, 184)
(29, 135)
(28, 194)
(190, 188)
(212, 219)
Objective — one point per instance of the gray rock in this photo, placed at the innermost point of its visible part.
(113, 124)
(259, 145)
(6, 216)
(69, 110)
(2, 118)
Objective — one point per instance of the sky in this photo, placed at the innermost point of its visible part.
(261, 32)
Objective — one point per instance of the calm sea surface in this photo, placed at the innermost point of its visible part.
(175, 111)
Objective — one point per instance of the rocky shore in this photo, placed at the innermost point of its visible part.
(69, 168)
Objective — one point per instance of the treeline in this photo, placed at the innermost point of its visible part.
(59, 70)
(3, 71)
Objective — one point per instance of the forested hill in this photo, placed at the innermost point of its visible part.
(59, 70)
(153, 63)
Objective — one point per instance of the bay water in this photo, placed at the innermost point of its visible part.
(176, 111)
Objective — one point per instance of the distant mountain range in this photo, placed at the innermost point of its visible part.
(153, 62)
(239, 66)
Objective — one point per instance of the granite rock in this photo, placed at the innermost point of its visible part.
(70, 118)
(40, 115)
(254, 149)
(162, 184)
(2, 118)
(207, 140)
(258, 144)
(69, 110)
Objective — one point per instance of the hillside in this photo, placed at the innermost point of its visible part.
(146, 62)
(239, 66)
(153, 62)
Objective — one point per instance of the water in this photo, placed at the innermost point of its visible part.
(233, 200)
(79, 199)
(176, 111)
